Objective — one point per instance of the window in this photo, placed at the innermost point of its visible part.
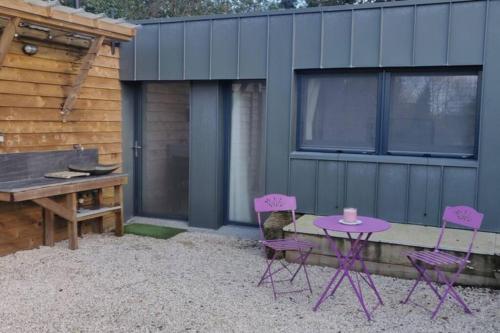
(433, 113)
(246, 149)
(426, 113)
(335, 115)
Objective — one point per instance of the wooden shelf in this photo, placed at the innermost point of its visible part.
(87, 214)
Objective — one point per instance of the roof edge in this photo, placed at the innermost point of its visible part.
(324, 9)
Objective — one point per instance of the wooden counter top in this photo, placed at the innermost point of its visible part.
(34, 188)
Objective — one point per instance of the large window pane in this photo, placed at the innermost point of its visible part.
(433, 113)
(246, 149)
(338, 112)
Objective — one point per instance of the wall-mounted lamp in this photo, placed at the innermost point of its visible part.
(30, 49)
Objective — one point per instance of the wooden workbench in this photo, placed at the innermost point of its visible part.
(43, 190)
(21, 179)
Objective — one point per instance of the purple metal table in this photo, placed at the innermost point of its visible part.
(364, 230)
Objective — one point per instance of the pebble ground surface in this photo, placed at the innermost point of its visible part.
(199, 282)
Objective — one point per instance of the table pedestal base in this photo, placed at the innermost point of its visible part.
(346, 263)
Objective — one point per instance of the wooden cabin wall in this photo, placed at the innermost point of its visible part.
(32, 90)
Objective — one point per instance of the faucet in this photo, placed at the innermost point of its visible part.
(78, 147)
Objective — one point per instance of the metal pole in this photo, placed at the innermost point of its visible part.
(77, 3)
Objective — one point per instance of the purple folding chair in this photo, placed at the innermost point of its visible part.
(437, 260)
(279, 203)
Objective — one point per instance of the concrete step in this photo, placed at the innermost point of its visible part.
(384, 253)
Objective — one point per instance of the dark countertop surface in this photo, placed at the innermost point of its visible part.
(41, 182)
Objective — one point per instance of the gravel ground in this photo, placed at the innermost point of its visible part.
(197, 282)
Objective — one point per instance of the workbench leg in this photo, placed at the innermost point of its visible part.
(48, 227)
(79, 227)
(71, 203)
(119, 213)
(100, 203)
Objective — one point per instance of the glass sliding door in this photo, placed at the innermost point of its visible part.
(246, 165)
(164, 158)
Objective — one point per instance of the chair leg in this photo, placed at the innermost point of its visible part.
(450, 290)
(269, 274)
(267, 271)
(441, 301)
(301, 263)
(422, 276)
(412, 289)
(303, 257)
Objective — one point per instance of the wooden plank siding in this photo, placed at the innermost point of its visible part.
(32, 91)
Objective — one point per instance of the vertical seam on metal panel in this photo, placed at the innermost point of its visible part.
(346, 166)
(135, 59)
(321, 45)
(238, 55)
(316, 179)
(267, 48)
(210, 50)
(293, 42)
(375, 196)
(426, 196)
(289, 180)
(380, 37)
(486, 17)
(267, 110)
(478, 169)
(292, 85)
(337, 204)
(441, 194)
(159, 51)
(413, 46)
(184, 51)
(352, 38)
(190, 145)
(217, 129)
(407, 199)
(450, 7)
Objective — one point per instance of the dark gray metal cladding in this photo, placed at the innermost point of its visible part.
(273, 45)
(19, 166)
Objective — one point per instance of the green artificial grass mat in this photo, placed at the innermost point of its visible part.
(150, 230)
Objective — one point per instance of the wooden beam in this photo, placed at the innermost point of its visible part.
(48, 227)
(119, 218)
(8, 34)
(72, 205)
(56, 208)
(67, 18)
(87, 62)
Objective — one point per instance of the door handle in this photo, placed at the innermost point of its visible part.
(136, 147)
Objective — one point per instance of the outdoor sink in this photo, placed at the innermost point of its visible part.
(94, 169)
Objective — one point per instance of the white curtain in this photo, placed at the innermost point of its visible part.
(313, 86)
(246, 164)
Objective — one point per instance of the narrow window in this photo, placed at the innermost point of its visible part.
(246, 149)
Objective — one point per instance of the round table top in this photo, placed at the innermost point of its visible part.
(370, 224)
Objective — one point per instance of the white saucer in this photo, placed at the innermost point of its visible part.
(350, 223)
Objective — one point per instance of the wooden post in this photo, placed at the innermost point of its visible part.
(48, 227)
(8, 34)
(119, 213)
(100, 202)
(87, 62)
(71, 204)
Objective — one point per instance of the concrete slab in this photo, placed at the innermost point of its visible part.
(238, 231)
(415, 235)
